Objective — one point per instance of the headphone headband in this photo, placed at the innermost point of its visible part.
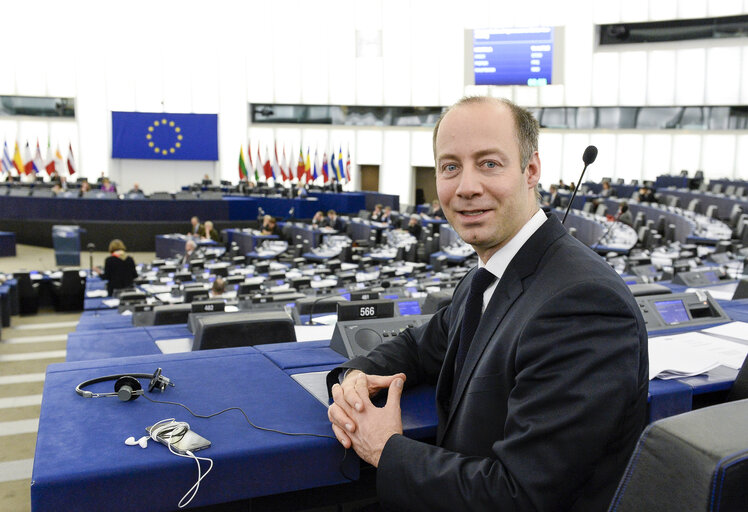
(156, 381)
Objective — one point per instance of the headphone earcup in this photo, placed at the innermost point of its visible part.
(127, 388)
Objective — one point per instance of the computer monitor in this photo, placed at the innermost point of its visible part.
(193, 294)
(246, 328)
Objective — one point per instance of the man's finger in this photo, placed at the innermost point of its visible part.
(338, 416)
(341, 436)
(394, 393)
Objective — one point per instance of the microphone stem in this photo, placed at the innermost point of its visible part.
(574, 193)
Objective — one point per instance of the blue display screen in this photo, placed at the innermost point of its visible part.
(513, 56)
(711, 277)
(346, 296)
(409, 307)
(393, 297)
(672, 311)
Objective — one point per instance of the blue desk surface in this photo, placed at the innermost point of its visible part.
(82, 463)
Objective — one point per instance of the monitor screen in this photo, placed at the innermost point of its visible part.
(672, 311)
(409, 307)
(393, 297)
(513, 56)
(711, 276)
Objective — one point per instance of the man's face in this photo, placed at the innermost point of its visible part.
(483, 192)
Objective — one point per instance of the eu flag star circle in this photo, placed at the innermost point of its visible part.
(164, 137)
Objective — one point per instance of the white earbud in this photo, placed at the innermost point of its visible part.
(142, 442)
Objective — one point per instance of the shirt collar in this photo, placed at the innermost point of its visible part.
(498, 263)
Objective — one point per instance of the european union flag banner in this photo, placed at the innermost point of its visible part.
(162, 136)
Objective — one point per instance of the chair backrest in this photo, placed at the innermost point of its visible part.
(25, 286)
(697, 461)
(72, 282)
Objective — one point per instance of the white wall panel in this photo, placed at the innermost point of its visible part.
(741, 157)
(690, 76)
(723, 75)
(663, 10)
(725, 8)
(605, 78)
(634, 10)
(424, 61)
(571, 162)
(368, 147)
(633, 74)
(629, 153)
(550, 149)
(686, 152)
(656, 158)
(605, 163)
(744, 76)
(396, 176)
(396, 53)
(578, 63)
(661, 77)
(606, 12)
(718, 155)
(421, 148)
(259, 57)
(692, 8)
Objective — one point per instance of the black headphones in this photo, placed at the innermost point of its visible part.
(127, 387)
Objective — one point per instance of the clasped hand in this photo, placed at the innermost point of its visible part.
(357, 422)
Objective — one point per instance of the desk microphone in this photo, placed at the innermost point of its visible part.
(589, 156)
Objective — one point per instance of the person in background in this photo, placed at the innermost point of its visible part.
(334, 221)
(607, 190)
(554, 201)
(209, 233)
(624, 214)
(218, 288)
(85, 189)
(376, 215)
(386, 215)
(319, 219)
(135, 190)
(107, 186)
(195, 227)
(271, 228)
(435, 212)
(414, 226)
(646, 195)
(189, 251)
(119, 268)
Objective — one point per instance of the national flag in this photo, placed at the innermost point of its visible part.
(242, 166)
(267, 166)
(7, 163)
(325, 170)
(17, 160)
(50, 166)
(300, 166)
(58, 159)
(28, 167)
(341, 169)
(333, 168)
(314, 168)
(38, 162)
(284, 169)
(348, 166)
(71, 160)
(277, 170)
(308, 166)
(257, 165)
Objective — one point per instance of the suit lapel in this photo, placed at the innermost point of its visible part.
(508, 290)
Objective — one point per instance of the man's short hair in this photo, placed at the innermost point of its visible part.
(190, 244)
(331, 212)
(526, 127)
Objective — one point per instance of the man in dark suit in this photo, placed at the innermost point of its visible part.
(541, 378)
(555, 200)
(334, 221)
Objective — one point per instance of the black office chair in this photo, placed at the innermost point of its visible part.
(28, 294)
(697, 461)
(69, 293)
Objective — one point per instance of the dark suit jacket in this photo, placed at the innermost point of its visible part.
(551, 400)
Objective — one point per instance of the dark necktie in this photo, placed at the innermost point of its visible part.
(470, 320)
